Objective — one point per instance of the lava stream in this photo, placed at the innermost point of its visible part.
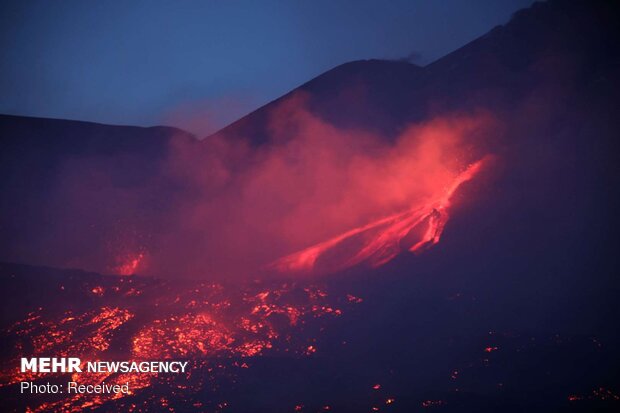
(414, 229)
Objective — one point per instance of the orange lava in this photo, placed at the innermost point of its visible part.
(186, 335)
(220, 330)
(418, 227)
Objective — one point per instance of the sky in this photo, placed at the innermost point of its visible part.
(200, 65)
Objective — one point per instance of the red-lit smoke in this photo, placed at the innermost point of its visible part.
(313, 188)
(382, 240)
(314, 198)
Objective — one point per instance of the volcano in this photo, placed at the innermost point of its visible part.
(386, 237)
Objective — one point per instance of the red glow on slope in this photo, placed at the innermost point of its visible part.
(415, 229)
(129, 264)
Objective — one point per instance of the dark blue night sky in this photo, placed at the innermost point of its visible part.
(202, 64)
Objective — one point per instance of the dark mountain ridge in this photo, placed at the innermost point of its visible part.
(542, 46)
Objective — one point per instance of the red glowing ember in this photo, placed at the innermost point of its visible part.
(98, 291)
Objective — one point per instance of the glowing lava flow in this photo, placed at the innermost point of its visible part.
(220, 330)
(382, 240)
